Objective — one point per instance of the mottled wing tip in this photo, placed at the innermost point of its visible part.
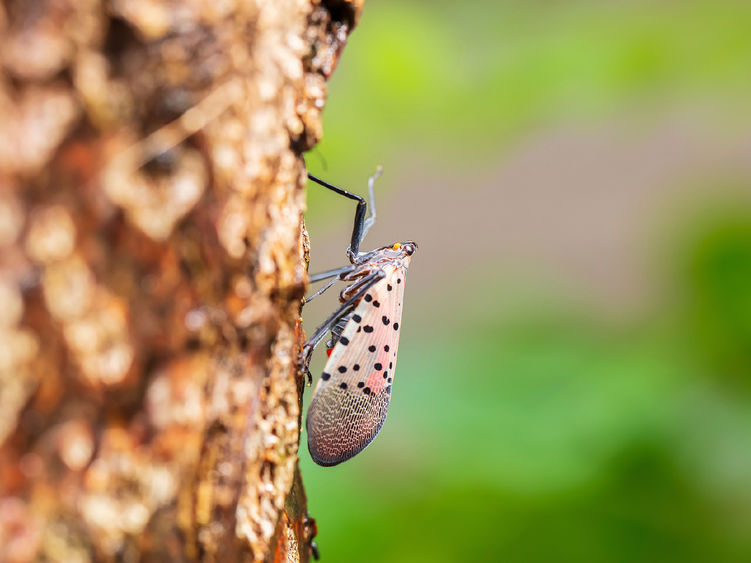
(326, 462)
(341, 424)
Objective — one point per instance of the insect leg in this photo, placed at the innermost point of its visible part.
(350, 290)
(371, 191)
(320, 291)
(324, 275)
(329, 274)
(358, 229)
(307, 349)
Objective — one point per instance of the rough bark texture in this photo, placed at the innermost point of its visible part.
(152, 260)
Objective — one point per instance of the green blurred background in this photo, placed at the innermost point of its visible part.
(574, 378)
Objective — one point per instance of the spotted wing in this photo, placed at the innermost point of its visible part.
(352, 396)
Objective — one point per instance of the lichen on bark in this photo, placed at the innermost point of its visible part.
(152, 260)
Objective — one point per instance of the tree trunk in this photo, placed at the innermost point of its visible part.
(152, 260)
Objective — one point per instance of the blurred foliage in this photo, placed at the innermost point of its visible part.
(554, 434)
(717, 292)
(447, 76)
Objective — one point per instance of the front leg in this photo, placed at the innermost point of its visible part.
(358, 229)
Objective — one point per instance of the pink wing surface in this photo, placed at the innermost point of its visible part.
(352, 396)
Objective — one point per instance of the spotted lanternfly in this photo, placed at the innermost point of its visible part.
(352, 396)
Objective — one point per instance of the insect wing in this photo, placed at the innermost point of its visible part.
(351, 399)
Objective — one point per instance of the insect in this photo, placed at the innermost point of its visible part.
(352, 396)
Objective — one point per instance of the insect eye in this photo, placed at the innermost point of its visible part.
(409, 249)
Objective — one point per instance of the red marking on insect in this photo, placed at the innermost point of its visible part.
(328, 351)
(375, 382)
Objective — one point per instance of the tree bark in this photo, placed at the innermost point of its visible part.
(152, 260)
